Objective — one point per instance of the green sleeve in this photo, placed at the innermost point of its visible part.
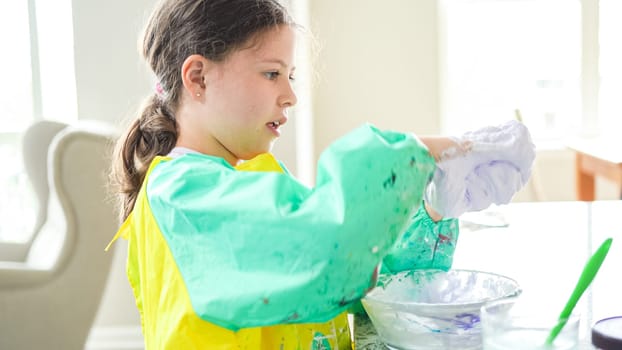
(425, 245)
(260, 248)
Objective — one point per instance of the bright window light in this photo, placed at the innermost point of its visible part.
(508, 55)
(15, 69)
(38, 82)
(610, 109)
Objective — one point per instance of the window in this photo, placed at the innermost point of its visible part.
(610, 109)
(16, 107)
(38, 82)
(556, 61)
(508, 55)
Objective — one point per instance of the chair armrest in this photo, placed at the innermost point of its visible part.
(13, 251)
(19, 274)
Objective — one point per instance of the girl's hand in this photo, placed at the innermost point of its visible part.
(442, 148)
(487, 166)
(436, 217)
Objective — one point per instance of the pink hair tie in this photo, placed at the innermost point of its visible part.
(159, 90)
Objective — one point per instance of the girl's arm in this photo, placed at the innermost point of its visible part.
(440, 146)
(481, 167)
(257, 248)
(436, 217)
(428, 242)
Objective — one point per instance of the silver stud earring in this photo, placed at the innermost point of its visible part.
(198, 94)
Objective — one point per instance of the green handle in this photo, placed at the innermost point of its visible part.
(588, 274)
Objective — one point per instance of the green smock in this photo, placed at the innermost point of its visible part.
(259, 248)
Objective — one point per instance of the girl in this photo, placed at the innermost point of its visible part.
(226, 248)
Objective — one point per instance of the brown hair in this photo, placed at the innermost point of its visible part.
(176, 30)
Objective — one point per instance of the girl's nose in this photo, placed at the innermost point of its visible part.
(288, 98)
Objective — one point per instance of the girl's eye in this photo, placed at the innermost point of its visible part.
(272, 75)
(292, 78)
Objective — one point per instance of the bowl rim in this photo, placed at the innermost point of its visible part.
(515, 293)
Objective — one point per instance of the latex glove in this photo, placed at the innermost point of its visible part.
(488, 166)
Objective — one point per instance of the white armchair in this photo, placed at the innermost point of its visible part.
(51, 286)
(35, 145)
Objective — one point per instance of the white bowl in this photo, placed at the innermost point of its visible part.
(434, 309)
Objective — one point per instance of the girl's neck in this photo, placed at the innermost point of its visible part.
(179, 151)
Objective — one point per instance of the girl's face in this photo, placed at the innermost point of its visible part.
(246, 98)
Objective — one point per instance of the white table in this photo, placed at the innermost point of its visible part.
(544, 247)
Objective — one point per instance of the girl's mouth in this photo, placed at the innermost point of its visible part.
(274, 127)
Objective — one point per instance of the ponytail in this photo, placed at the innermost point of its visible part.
(153, 134)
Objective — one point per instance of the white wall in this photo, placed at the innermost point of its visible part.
(111, 82)
(378, 63)
(110, 78)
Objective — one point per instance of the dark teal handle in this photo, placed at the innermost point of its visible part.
(587, 276)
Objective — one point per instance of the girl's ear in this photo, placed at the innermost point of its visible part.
(193, 71)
